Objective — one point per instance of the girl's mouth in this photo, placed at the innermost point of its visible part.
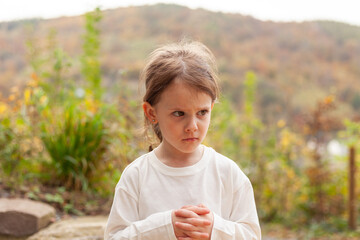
(190, 139)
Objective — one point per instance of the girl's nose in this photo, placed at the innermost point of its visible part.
(192, 125)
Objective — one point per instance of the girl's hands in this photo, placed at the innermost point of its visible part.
(192, 222)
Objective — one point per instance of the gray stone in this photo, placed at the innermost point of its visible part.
(79, 228)
(22, 217)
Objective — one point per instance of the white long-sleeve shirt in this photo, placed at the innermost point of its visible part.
(148, 191)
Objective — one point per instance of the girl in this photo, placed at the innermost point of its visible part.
(182, 189)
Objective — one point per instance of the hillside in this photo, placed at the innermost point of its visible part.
(297, 64)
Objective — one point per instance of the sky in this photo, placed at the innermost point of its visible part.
(346, 11)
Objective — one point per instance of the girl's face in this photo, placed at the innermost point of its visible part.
(183, 115)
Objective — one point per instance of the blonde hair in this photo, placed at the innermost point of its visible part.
(191, 62)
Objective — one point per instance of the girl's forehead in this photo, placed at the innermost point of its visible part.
(179, 94)
(179, 88)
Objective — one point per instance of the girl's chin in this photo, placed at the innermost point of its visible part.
(185, 147)
(190, 147)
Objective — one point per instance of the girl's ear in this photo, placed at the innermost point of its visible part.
(212, 105)
(149, 112)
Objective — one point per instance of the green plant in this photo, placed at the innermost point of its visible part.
(54, 198)
(15, 153)
(9, 148)
(76, 142)
(70, 209)
(76, 130)
(91, 49)
(351, 134)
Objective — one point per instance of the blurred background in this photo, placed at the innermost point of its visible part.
(289, 114)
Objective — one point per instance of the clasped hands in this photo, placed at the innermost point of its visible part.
(192, 222)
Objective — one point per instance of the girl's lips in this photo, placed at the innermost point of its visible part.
(190, 139)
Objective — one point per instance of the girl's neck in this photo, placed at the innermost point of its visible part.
(174, 158)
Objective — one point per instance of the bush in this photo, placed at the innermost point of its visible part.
(76, 142)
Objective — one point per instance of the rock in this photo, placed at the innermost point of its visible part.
(22, 217)
(84, 228)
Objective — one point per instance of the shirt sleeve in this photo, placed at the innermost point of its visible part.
(124, 223)
(243, 223)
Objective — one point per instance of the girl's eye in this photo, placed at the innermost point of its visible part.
(178, 113)
(203, 112)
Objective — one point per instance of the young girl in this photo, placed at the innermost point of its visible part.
(182, 189)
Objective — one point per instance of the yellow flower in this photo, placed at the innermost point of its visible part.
(27, 95)
(285, 138)
(3, 108)
(285, 142)
(91, 105)
(281, 123)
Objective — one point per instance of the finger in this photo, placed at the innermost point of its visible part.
(199, 222)
(202, 205)
(197, 235)
(184, 213)
(187, 206)
(193, 224)
(184, 238)
(185, 226)
(198, 210)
